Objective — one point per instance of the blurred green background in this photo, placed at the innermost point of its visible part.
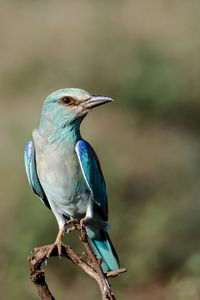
(146, 55)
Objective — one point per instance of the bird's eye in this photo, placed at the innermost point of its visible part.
(66, 100)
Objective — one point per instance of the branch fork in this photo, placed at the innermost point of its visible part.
(87, 262)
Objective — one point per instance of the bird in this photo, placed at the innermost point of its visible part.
(63, 170)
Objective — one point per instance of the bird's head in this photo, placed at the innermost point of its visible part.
(71, 104)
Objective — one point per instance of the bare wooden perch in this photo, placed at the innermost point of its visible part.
(87, 262)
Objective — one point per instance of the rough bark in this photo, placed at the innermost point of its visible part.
(87, 262)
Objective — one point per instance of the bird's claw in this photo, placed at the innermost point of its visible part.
(84, 221)
(57, 245)
(46, 261)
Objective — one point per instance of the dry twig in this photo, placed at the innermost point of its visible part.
(91, 265)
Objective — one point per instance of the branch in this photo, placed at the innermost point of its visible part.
(87, 262)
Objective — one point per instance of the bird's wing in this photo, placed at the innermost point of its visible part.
(31, 171)
(92, 173)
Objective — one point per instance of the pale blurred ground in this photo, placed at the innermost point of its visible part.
(146, 54)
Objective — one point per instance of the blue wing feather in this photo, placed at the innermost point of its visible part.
(31, 171)
(94, 178)
(93, 175)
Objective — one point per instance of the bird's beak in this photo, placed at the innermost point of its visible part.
(97, 100)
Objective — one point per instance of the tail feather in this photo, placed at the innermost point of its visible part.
(104, 249)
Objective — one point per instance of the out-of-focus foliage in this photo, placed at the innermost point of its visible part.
(146, 55)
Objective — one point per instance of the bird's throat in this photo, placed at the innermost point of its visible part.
(62, 133)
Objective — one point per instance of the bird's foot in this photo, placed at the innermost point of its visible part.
(58, 244)
(84, 221)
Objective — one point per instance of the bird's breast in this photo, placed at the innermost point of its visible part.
(62, 179)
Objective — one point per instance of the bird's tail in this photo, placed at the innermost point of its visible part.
(104, 249)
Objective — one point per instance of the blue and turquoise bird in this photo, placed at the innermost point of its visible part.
(64, 171)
